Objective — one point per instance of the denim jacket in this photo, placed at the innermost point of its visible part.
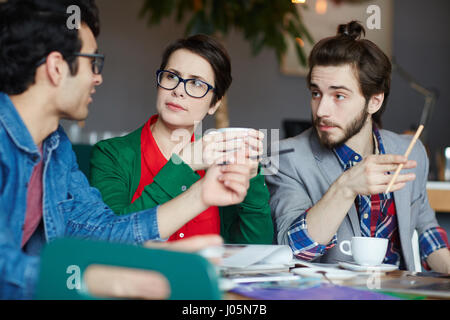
(71, 208)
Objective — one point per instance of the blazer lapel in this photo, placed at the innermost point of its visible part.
(331, 169)
(403, 209)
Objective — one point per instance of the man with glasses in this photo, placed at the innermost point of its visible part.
(48, 73)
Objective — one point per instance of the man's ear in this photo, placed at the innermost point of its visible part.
(375, 102)
(214, 108)
(56, 68)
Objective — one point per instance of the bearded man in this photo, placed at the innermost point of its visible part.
(332, 187)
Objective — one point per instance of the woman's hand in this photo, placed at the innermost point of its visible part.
(224, 147)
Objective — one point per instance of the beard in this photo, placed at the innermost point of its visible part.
(353, 128)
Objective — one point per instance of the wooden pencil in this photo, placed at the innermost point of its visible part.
(408, 151)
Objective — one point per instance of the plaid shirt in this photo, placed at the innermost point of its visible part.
(377, 215)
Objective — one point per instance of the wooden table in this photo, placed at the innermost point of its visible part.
(439, 195)
(399, 282)
(408, 282)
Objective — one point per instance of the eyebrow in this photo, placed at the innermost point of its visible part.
(340, 88)
(191, 76)
(313, 85)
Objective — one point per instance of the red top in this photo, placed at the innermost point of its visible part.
(152, 161)
(33, 214)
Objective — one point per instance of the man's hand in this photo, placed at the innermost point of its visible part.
(368, 177)
(439, 260)
(192, 244)
(225, 185)
(371, 175)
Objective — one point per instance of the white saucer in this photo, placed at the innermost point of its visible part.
(335, 274)
(356, 267)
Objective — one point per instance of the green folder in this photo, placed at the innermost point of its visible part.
(63, 262)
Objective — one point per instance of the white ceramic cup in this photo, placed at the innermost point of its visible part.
(366, 251)
(226, 131)
(222, 130)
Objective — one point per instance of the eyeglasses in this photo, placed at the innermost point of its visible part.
(194, 87)
(98, 61)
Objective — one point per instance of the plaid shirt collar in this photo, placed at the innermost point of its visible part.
(348, 157)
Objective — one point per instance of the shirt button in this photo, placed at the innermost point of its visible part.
(356, 158)
(182, 235)
(366, 215)
(183, 188)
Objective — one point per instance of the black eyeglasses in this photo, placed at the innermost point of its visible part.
(194, 87)
(98, 61)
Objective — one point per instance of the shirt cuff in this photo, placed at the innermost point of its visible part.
(31, 277)
(302, 245)
(146, 225)
(21, 283)
(257, 195)
(432, 240)
(176, 176)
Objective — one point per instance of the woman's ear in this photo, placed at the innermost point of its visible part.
(214, 108)
(375, 103)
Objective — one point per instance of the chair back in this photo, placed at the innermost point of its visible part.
(83, 153)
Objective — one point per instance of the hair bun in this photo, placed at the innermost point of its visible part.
(353, 29)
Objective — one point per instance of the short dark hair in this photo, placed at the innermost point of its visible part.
(210, 49)
(372, 66)
(32, 29)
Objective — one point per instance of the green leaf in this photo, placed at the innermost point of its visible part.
(199, 24)
(262, 22)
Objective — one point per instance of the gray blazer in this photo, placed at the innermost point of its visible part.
(301, 178)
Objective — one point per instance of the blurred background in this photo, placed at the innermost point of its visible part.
(264, 94)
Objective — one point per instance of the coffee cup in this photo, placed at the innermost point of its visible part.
(366, 251)
(230, 133)
(236, 135)
(227, 130)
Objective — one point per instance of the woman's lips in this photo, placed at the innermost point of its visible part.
(175, 107)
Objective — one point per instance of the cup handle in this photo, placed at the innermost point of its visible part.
(341, 247)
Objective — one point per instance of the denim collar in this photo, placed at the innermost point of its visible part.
(17, 130)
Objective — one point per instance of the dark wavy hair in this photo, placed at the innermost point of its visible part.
(32, 29)
(372, 66)
(210, 49)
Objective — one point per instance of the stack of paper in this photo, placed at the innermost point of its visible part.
(252, 259)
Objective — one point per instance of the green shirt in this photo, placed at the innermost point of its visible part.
(115, 169)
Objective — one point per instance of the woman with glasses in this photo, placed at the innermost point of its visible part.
(163, 158)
